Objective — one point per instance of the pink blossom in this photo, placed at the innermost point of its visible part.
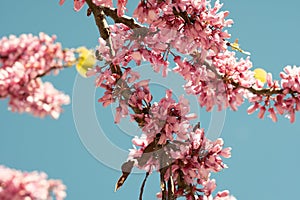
(167, 117)
(19, 185)
(262, 112)
(61, 2)
(78, 4)
(224, 195)
(38, 98)
(24, 60)
(209, 87)
(121, 7)
(272, 114)
(253, 108)
(106, 3)
(194, 158)
(290, 78)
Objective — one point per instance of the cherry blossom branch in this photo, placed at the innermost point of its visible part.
(131, 23)
(152, 152)
(103, 28)
(24, 60)
(263, 91)
(104, 33)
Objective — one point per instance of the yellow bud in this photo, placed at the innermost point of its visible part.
(86, 60)
(260, 74)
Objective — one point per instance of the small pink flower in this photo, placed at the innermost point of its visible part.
(272, 114)
(121, 7)
(61, 2)
(262, 112)
(78, 4)
(106, 3)
(253, 108)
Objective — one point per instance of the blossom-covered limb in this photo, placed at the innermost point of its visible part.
(174, 117)
(24, 60)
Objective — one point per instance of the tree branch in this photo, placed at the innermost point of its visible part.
(264, 91)
(128, 21)
(99, 19)
(103, 29)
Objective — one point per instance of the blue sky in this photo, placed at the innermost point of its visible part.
(265, 157)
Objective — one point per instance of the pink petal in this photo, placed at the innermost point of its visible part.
(272, 114)
(78, 4)
(261, 112)
(61, 2)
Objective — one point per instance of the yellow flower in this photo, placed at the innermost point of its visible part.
(260, 74)
(235, 46)
(86, 60)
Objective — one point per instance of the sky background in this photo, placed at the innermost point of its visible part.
(265, 157)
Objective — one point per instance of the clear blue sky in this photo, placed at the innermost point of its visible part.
(265, 157)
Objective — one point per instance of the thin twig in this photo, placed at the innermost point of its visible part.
(143, 185)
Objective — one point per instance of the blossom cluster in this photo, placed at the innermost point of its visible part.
(24, 60)
(117, 89)
(170, 142)
(192, 33)
(168, 139)
(186, 26)
(224, 81)
(286, 100)
(213, 73)
(191, 24)
(18, 185)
